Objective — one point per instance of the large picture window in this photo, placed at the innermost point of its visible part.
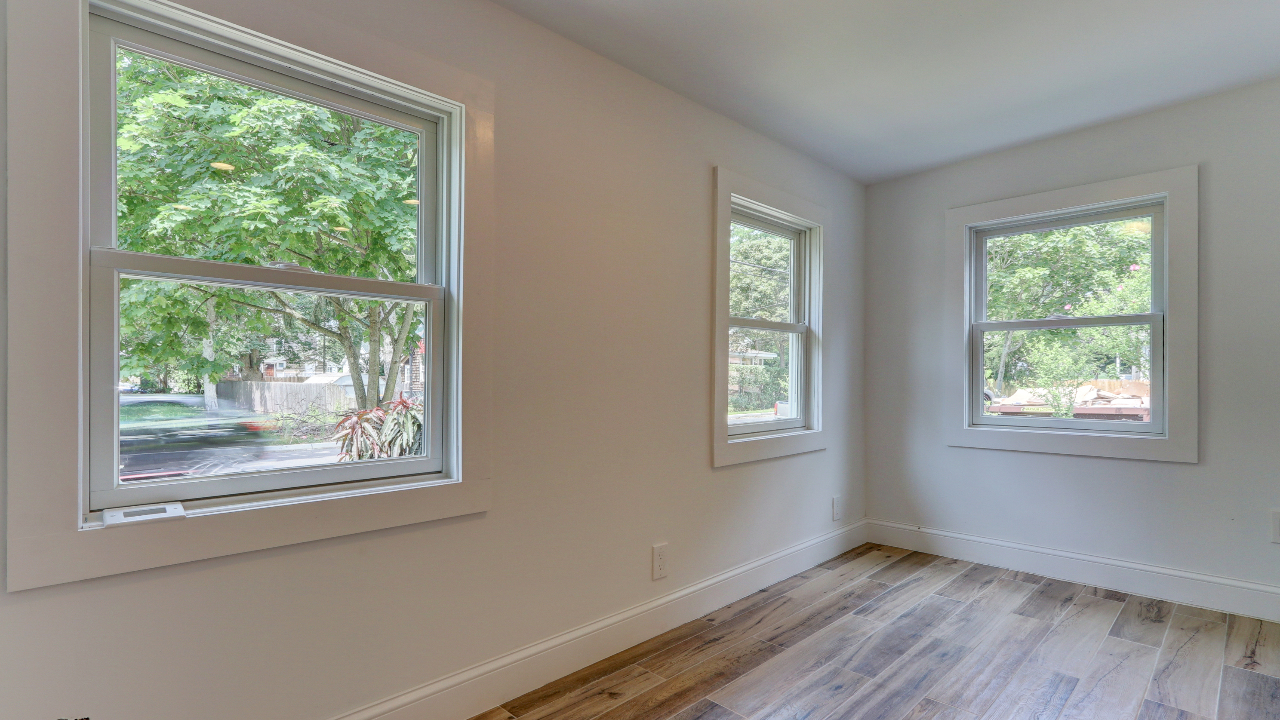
(266, 296)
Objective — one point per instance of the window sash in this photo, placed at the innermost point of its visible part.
(1155, 426)
(799, 380)
(978, 324)
(763, 218)
(105, 265)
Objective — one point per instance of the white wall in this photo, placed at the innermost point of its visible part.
(1210, 517)
(600, 289)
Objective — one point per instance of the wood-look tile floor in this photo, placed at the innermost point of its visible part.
(882, 633)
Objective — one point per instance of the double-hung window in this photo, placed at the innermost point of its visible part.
(768, 312)
(1075, 319)
(267, 278)
(1069, 322)
(767, 331)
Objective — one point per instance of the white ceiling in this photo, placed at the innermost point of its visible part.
(880, 88)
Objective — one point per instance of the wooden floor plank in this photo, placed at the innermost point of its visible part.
(1116, 683)
(814, 697)
(1199, 612)
(1104, 593)
(498, 713)
(978, 679)
(903, 568)
(1050, 601)
(762, 596)
(1025, 577)
(837, 640)
(1253, 645)
(802, 624)
(673, 695)
(1187, 671)
(765, 684)
(1143, 620)
(968, 624)
(848, 556)
(567, 684)
(1070, 646)
(850, 572)
(904, 684)
(906, 594)
(931, 710)
(591, 700)
(1248, 695)
(1034, 693)
(706, 710)
(893, 640)
(1155, 711)
(684, 655)
(971, 583)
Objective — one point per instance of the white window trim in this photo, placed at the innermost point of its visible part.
(737, 194)
(107, 265)
(1173, 437)
(51, 538)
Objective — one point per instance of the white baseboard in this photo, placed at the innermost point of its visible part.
(480, 687)
(1242, 597)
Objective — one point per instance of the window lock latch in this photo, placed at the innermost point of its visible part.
(143, 513)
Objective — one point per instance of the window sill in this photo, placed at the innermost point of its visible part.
(226, 528)
(734, 449)
(1096, 443)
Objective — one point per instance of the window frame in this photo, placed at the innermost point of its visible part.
(799, 272)
(51, 537)
(739, 198)
(979, 324)
(107, 265)
(1170, 197)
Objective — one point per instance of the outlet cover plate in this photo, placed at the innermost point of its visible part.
(659, 561)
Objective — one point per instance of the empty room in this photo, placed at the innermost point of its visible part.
(617, 360)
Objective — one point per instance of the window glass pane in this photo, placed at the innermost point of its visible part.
(217, 380)
(1093, 373)
(214, 169)
(1086, 270)
(759, 274)
(761, 375)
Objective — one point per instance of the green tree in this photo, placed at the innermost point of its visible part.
(1085, 270)
(213, 169)
(759, 287)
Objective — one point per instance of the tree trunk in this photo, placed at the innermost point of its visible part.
(1004, 357)
(353, 355)
(252, 363)
(210, 389)
(398, 353)
(375, 354)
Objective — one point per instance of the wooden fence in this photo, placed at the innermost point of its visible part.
(1128, 387)
(285, 397)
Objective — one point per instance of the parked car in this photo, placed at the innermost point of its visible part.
(173, 435)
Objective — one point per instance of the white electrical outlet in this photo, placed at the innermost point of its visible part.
(837, 508)
(659, 561)
(1275, 526)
